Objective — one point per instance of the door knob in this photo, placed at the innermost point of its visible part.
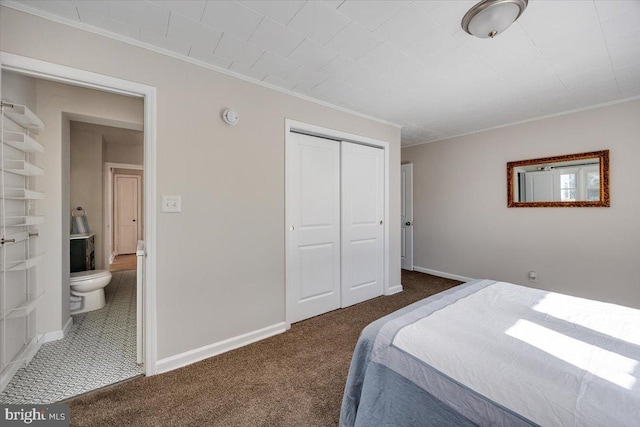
(134, 220)
(408, 223)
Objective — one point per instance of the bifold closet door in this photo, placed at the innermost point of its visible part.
(362, 223)
(313, 215)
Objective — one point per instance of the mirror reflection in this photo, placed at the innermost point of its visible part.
(561, 181)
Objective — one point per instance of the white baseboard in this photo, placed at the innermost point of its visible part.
(394, 290)
(57, 335)
(198, 354)
(442, 274)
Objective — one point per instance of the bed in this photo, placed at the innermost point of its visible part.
(495, 353)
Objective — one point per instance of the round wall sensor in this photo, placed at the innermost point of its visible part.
(230, 117)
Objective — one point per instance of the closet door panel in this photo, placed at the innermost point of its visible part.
(313, 215)
(362, 223)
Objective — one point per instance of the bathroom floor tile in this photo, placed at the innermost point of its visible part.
(98, 350)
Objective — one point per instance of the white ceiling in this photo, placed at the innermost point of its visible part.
(407, 62)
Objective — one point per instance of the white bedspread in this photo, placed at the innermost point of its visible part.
(556, 360)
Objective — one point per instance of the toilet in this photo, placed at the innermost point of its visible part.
(87, 290)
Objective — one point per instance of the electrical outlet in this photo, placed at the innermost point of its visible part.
(533, 276)
(171, 204)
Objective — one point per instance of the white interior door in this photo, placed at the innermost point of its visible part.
(406, 216)
(126, 213)
(362, 223)
(313, 216)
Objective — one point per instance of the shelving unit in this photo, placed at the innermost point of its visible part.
(18, 238)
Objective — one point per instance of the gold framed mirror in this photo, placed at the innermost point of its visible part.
(573, 180)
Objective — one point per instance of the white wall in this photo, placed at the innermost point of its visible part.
(221, 261)
(86, 183)
(463, 225)
(123, 153)
(19, 89)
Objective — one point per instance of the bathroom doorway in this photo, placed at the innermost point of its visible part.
(127, 205)
(102, 153)
(54, 332)
(124, 212)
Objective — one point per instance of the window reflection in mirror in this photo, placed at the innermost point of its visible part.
(561, 181)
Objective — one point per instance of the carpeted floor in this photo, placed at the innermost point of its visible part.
(292, 379)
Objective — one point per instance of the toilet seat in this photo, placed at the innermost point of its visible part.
(80, 276)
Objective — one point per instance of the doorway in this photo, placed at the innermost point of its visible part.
(83, 79)
(124, 212)
(406, 216)
(126, 206)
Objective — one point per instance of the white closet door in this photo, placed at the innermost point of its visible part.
(362, 223)
(313, 208)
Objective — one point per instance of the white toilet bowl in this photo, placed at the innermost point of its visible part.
(87, 290)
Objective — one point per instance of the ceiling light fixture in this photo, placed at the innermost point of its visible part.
(489, 18)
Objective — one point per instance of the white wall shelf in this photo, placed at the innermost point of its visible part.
(22, 167)
(24, 220)
(22, 310)
(22, 142)
(22, 194)
(25, 264)
(23, 116)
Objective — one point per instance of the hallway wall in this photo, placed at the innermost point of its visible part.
(85, 180)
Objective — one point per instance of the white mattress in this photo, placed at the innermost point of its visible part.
(555, 359)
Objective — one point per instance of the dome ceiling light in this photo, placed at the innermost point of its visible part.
(489, 18)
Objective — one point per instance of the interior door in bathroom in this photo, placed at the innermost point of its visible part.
(126, 213)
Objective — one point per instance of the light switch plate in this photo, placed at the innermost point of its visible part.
(171, 204)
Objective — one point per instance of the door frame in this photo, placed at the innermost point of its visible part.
(115, 206)
(74, 76)
(409, 230)
(109, 244)
(322, 132)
